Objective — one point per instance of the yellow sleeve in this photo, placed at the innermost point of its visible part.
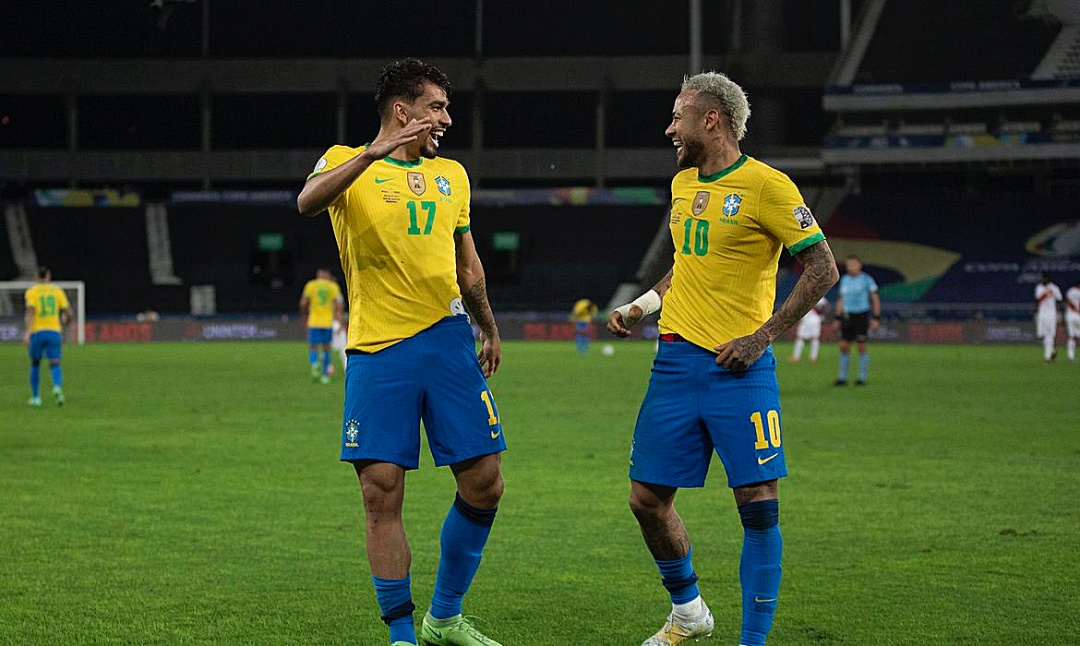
(336, 291)
(332, 158)
(784, 215)
(28, 297)
(308, 289)
(463, 221)
(62, 300)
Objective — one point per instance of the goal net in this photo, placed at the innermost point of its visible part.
(13, 308)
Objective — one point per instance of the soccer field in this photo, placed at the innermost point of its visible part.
(191, 493)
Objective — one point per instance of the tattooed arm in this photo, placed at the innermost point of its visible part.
(470, 279)
(819, 274)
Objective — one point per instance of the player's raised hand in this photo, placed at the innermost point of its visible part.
(620, 325)
(490, 355)
(384, 145)
(739, 354)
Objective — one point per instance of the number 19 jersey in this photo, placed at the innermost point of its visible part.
(395, 228)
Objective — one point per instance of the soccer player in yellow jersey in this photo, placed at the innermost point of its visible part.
(47, 312)
(401, 218)
(582, 315)
(321, 302)
(713, 384)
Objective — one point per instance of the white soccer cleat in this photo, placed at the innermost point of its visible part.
(679, 632)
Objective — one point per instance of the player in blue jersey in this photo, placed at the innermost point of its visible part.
(858, 310)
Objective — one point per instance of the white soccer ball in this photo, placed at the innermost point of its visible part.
(607, 350)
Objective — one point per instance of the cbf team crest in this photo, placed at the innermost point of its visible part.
(352, 431)
(443, 184)
(731, 204)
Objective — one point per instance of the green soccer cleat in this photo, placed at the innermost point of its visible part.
(58, 395)
(673, 633)
(315, 372)
(325, 379)
(35, 402)
(455, 631)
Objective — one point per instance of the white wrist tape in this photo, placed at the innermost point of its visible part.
(649, 302)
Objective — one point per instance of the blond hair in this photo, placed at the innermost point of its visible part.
(718, 87)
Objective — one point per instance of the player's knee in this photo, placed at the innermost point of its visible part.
(760, 514)
(486, 493)
(646, 505)
(55, 363)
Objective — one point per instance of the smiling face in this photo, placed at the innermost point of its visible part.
(686, 131)
(432, 103)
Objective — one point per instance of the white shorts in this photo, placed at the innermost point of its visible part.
(1046, 326)
(809, 329)
(1072, 322)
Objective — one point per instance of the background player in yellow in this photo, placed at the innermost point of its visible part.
(321, 303)
(47, 312)
(713, 385)
(401, 218)
(582, 315)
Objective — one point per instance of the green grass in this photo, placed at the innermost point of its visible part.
(191, 493)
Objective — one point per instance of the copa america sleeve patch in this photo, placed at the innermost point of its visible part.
(803, 216)
(319, 165)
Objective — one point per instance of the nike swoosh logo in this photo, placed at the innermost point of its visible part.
(495, 435)
(764, 460)
(435, 633)
(760, 600)
(382, 180)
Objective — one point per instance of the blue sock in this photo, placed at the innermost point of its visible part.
(845, 360)
(35, 380)
(679, 578)
(464, 534)
(57, 376)
(582, 344)
(759, 569)
(864, 365)
(395, 602)
(326, 362)
(313, 356)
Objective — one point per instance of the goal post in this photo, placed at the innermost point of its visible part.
(12, 305)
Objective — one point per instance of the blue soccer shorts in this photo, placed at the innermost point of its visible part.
(694, 407)
(45, 343)
(432, 377)
(320, 335)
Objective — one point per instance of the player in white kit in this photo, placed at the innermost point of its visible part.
(809, 330)
(1072, 318)
(1047, 295)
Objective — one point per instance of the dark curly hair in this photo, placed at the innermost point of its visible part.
(404, 79)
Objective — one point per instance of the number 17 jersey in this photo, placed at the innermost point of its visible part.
(395, 228)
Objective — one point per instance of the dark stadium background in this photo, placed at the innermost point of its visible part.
(916, 130)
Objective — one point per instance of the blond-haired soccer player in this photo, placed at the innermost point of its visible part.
(321, 303)
(713, 384)
(401, 218)
(47, 312)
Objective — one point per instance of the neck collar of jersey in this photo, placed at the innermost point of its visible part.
(727, 171)
(403, 164)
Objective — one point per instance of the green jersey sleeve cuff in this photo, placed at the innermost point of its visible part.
(318, 172)
(460, 230)
(806, 242)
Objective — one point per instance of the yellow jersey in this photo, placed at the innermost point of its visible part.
(47, 300)
(584, 310)
(395, 228)
(321, 294)
(728, 231)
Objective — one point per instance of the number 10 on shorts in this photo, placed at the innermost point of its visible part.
(489, 401)
(774, 430)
